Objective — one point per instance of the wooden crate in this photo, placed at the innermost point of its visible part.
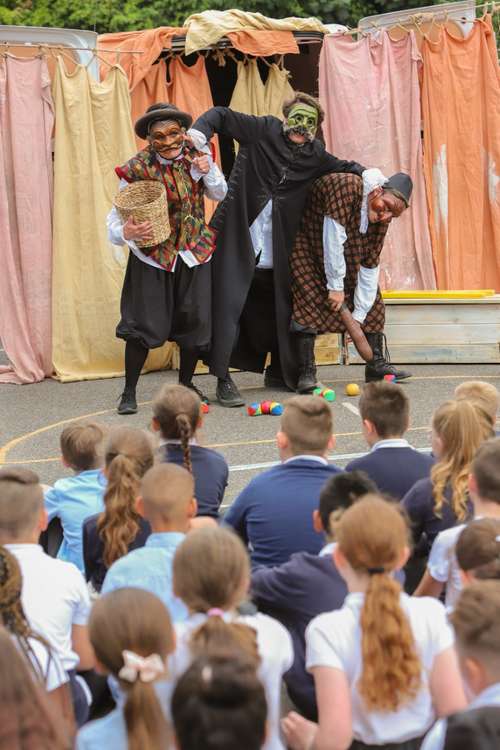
(442, 331)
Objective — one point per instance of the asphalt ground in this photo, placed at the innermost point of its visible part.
(32, 416)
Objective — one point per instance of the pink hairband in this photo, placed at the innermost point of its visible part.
(215, 612)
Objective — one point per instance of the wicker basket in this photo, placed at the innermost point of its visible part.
(145, 200)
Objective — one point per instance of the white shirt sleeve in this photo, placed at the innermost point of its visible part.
(434, 739)
(439, 561)
(321, 649)
(334, 237)
(214, 181)
(199, 138)
(82, 609)
(365, 292)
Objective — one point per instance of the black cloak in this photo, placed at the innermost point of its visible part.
(268, 166)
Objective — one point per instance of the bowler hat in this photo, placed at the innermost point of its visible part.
(161, 111)
(400, 185)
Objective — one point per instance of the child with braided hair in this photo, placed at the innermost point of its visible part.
(44, 664)
(177, 416)
(384, 664)
(109, 535)
(27, 720)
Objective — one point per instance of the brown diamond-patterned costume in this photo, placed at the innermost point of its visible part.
(339, 197)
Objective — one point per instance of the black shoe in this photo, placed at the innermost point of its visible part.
(380, 366)
(275, 380)
(227, 393)
(306, 382)
(204, 399)
(128, 404)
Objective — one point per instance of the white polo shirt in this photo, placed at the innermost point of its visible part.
(443, 566)
(275, 649)
(54, 596)
(333, 640)
(47, 664)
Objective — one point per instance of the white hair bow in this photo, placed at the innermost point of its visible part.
(146, 668)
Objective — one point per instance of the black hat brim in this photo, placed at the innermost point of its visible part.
(141, 126)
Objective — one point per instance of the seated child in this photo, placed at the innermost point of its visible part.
(477, 631)
(54, 596)
(440, 501)
(132, 636)
(73, 499)
(119, 528)
(167, 502)
(300, 589)
(485, 394)
(384, 664)
(273, 513)
(43, 661)
(219, 703)
(26, 718)
(484, 490)
(177, 416)
(478, 551)
(392, 463)
(211, 576)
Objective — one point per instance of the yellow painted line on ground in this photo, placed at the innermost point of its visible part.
(5, 449)
(266, 441)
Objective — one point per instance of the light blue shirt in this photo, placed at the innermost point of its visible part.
(436, 737)
(72, 500)
(109, 732)
(150, 568)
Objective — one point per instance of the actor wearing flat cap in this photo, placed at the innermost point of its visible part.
(166, 293)
(276, 165)
(336, 260)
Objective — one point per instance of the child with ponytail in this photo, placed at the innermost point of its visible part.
(177, 416)
(109, 535)
(441, 500)
(384, 664)
(132, 636)
(211, 576)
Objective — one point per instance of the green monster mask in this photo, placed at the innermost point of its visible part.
(303, 120)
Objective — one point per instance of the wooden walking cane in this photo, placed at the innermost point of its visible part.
(356, 333)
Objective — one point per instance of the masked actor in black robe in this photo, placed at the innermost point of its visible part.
(256, 225)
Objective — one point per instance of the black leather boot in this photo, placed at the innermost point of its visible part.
(307, 364)
(381, 362)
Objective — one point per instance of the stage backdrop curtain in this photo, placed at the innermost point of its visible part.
(93, 135)
(461, 112)
(370, 91)
(26, 121)
(151, 89)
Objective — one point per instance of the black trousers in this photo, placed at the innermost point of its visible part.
(159, 306)
(258, 320)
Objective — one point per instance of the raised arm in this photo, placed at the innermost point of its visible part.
(225, 121)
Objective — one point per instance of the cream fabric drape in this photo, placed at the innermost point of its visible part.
(93, 135)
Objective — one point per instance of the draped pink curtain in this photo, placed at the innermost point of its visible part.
(26, 121)
(370, 91)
